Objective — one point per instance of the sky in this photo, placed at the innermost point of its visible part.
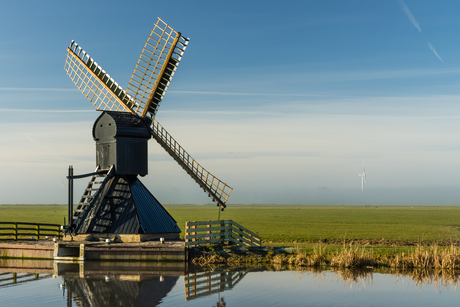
(285, 101)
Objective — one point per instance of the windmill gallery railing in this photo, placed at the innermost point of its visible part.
(219, 232)
(26, 231)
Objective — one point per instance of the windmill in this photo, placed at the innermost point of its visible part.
(119, 202)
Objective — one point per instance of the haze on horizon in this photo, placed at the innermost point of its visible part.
(283, 101)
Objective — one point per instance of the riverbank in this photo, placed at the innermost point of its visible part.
(324, 256)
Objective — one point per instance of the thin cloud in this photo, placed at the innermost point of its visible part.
(246, 94)
(409, 15)
(36, 89)
(45, 111)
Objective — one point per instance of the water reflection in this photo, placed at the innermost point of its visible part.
(15, 279)
(102, 284)
(199, 284)
(100, 291)
(155, 284)
(419, 277)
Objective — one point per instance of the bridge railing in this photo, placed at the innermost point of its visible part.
(219, 232)
(26, 231)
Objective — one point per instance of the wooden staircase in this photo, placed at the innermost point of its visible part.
(95, 184)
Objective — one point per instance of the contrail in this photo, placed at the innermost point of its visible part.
(415, 23)
(409, 15)
(45, 148)
(434, 51)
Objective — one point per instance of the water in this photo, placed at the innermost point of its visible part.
(249, 287)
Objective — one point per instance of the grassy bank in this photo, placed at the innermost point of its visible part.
(346, 257)
(302, 226)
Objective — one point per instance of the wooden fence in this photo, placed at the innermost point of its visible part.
(207, 283)
(219, 232)
(25, 231)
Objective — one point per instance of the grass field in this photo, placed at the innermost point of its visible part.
(301, 224)
(333, 224)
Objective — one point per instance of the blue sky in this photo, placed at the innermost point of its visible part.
(284, 101)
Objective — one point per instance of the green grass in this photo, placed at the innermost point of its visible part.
(50, 214)
(300, 225)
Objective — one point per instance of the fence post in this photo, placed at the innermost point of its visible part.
(186, 232)
(208, 226)
(222, 236)
(242, 235)
(15, 231)
(230, 228)
(37, 231)
(193, 233)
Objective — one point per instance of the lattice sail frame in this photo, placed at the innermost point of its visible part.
(218, 190)
(97, 85)
(149, 82)
(155, 68)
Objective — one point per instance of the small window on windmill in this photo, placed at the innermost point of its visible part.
(121, 140)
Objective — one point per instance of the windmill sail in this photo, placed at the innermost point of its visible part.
(155, 68)
(219, 191)
(97, 85)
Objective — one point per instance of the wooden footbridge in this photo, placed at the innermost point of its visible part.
(220, 232)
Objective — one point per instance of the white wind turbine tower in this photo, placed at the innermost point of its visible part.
(363, 180)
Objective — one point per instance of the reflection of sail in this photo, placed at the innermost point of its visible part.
(117, 291)
(207, 283)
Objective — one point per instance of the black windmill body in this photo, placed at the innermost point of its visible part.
(115, 201)
(121, 140)
(122, 204)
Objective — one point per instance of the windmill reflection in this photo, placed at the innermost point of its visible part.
(122, 290)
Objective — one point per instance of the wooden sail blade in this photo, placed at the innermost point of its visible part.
(95, 83)
(219, 191)
(155, 68)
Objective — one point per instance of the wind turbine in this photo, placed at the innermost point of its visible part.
(363, 180)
